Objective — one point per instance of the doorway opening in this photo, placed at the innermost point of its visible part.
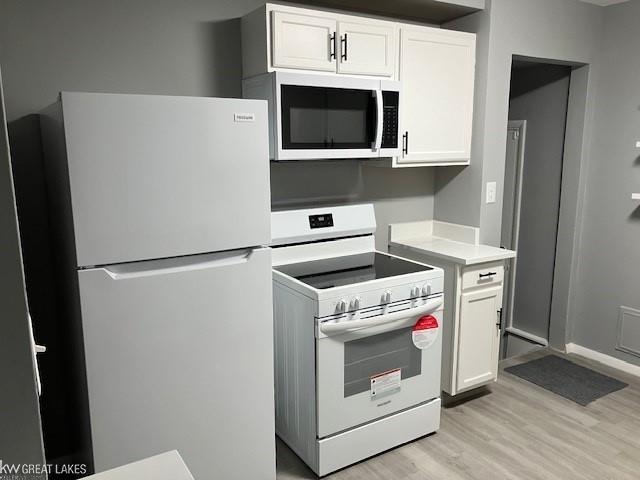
(538, 109)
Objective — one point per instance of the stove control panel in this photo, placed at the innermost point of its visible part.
(359, 299)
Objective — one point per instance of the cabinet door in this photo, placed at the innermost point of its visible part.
(366, 48)
(478, 337)
(303, 41)
(437, 70)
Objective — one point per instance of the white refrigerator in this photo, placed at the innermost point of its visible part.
(163, 214)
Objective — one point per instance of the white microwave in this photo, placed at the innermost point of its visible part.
(328, 116)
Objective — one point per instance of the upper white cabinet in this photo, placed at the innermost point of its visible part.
(437, 71)
(436, 68)
(303, 41)
(366, 47)
(277, 37)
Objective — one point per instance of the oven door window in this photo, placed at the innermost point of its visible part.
(369, 356)
(327, 118)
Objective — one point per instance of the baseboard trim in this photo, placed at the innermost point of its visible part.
(603, 358)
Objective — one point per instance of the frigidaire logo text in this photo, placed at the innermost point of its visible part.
(244, 117)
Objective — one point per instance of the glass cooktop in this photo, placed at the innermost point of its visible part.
(350, 269)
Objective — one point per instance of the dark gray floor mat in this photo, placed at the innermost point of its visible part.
(565, 378)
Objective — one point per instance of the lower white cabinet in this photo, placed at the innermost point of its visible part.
(472, 320)
(478, 337)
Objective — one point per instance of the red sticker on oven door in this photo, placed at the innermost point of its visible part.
(425, 332)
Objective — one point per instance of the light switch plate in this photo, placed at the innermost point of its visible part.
(638, 144)
(491, 192)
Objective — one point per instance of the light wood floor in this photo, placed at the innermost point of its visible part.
(516, 430)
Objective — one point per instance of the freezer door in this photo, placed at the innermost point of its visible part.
(179, 356)
(159, 176)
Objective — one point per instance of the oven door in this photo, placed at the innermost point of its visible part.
(368, 365)
(327, 117)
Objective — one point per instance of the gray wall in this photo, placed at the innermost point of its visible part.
(173, 48)
(459, 189)
(599, 225)
(399, 195)
(562, 30)
(167, 47)
(540, 96)
(608, 272)
(20, 435)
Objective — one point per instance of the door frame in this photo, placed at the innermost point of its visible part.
(515, 127)
(518, 127)
(21, 439)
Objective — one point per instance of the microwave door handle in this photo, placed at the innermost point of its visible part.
(379, 121)
(430, 306)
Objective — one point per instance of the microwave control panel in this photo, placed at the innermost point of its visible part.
(390, 102)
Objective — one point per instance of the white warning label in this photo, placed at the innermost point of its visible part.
(386, 383)
(425, 332)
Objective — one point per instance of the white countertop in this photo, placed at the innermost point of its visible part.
(447, 241)
(457, 252)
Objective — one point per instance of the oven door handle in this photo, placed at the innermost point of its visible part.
(379, 121)
(341, 327)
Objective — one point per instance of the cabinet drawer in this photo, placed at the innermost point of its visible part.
(482, 275)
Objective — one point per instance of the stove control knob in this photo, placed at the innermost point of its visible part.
(341, 306)
(415, 292)
(386, 297)
(355, 304)
(426, 289)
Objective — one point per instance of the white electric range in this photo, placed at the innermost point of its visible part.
(357, 338)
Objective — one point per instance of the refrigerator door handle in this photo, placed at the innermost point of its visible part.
(152, 268)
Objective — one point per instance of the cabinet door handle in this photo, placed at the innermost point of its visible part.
(499, 324)
(488, 274)
(343, 47)
(332, 46)
(405, 143)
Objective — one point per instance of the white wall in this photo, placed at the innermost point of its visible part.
(608, 273)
